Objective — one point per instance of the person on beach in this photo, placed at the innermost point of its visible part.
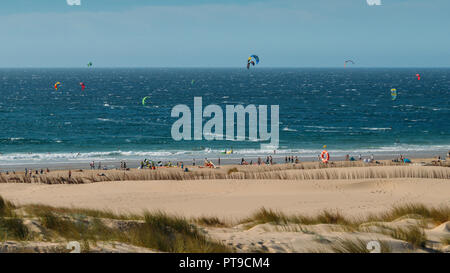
(347, 157)
(70, 174)
(193, 162)
(218, 161)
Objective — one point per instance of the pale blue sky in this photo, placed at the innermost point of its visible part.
(171, 33)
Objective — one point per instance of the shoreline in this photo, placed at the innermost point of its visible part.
(233, 159)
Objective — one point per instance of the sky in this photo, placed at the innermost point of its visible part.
(223, 33)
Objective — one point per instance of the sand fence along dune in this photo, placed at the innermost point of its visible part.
(236, 173)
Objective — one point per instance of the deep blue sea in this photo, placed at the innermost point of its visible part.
(349, 110)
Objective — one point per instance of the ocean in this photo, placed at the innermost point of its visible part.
(349, 110)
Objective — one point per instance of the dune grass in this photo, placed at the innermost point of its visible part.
(154, 230)
(412, 234)
(158, 231)
(210, 222)
(77, 229)
(446, 240)
(357, 246)
(173, 234)
(264, 215)
(437, 215)
(13, 228)
(6, 208)
(39, 210)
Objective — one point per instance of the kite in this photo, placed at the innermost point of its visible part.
(418, 77)
(144, 100)
(253, 59)
(394, 93)
(57, 85)
(348, 61)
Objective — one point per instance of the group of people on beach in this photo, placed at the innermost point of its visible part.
(123, 165)
(291, 159)
(92, 165)
(369, 159)
(150, 164)
(37, 172)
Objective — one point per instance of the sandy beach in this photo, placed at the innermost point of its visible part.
(233, 193)
(236, 198)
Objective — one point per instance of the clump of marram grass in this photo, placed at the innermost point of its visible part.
(438, 215)
(445, 240)
(158, 231)
(13, 228)
(210, 222)
(172, 234)
(6, 208)
(65, 227)
(357, 246)
(39, 209)
(264, 215)
(411, 234)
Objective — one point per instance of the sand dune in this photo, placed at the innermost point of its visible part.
(236, 198)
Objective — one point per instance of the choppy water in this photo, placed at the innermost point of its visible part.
(350, 110)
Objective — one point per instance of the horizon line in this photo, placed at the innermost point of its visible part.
(211, 67)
